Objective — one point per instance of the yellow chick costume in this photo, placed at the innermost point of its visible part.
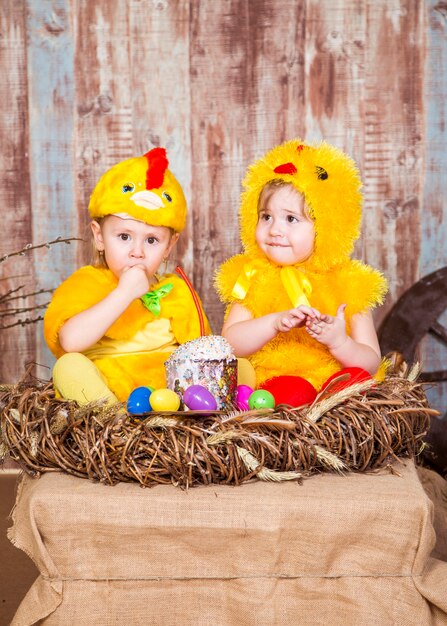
(133, 351)
(330, 183)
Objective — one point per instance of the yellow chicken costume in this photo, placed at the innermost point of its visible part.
(330, 183)
(133, 351)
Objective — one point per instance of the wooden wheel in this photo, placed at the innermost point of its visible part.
(414, 316)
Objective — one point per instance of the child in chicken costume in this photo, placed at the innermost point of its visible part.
(280, 299)
(138, 209)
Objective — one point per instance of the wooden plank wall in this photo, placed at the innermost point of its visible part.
(86, 83)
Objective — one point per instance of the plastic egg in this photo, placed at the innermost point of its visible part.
(165, 400)
(356, 375)
(246, 374)
(261, 399)
(198, 398)
(292, 390)
(243, 392)
(139, 401)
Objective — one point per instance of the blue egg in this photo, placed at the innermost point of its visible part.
(138, 401)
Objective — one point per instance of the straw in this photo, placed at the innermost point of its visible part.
(362, 432)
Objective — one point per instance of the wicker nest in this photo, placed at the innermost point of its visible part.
(364, 427)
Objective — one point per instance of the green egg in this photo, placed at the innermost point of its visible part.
(261, 399)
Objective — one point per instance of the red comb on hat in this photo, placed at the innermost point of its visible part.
(285, 168)
(157, 166)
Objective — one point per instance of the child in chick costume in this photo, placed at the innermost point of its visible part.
(113, 325)
(298, 305)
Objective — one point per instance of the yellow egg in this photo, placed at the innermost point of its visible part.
(164, 400)
(246, 374)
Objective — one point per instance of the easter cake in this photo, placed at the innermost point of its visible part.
(207, 361)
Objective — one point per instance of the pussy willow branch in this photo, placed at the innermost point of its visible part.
(9, 296)
(24, 322)
(6, 299)
(18, 310)
(47, 244)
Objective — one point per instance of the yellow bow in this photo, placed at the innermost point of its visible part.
(242, 284)
(296, 284)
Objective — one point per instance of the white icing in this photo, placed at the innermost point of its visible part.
(210, 347)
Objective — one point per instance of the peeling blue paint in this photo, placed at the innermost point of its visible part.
(50, 63)
(433, 254)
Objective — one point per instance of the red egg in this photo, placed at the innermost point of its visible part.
(356, 375)
(292, 390)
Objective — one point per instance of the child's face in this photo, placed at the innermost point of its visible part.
(284, 232)
(128, 242)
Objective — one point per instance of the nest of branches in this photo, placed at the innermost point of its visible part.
(361, 428)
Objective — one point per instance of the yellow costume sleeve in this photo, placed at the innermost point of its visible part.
(86, 287)
(90, 285)
(227, 275)
(361, 286)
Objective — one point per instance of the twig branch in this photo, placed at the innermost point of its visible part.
(5, 298)
(17, 311)
(47, 244)
(28, 320)
(13, 294)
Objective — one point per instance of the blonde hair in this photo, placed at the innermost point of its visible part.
(270, 188)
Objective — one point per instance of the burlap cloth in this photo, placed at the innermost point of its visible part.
(338, 550)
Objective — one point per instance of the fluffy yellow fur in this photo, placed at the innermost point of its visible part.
(334, 202)
(296, 353)
(353, 282)
(330, 184)
(108, 196)
(88, 286)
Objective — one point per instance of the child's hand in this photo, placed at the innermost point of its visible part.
(295, 318)
(328, 330)
(133, 282)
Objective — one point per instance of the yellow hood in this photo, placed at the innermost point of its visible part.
(142, 188)
(330, 183)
